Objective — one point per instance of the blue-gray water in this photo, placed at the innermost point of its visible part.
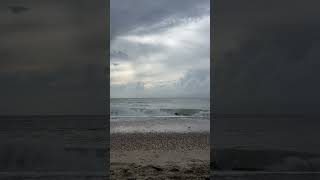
(266, 143)
(53, 144)
(160, 107)
(160, 114)
(292, 133)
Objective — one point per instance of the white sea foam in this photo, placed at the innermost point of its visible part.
(152, 107)
(160, 115)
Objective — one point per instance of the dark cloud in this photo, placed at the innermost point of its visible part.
(266, 56)
(118, 54)
(127, 15)
(18, 9)
(53, 57)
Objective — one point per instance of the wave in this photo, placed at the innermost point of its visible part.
(163, 107)
(124, 111)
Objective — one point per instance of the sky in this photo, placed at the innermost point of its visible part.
(53, 57)
(266, 56)
(54, 54)
(159, 48)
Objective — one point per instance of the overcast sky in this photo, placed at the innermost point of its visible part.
(53, 57)
(266, 56)
(160, 48)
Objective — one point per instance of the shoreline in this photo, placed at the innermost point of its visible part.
(129, 141)
(160, 155)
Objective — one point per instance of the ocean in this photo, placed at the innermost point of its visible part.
(268, 143)
(273, 132)
(53, 144)
(160, 115)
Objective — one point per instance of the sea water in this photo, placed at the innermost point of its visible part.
(268, 143)
(160, 114)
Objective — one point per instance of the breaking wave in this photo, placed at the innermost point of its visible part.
(120, 111)
(159, 108)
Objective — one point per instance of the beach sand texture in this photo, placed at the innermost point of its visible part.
(160, 155)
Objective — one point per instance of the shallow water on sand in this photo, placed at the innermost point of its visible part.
(159, 124)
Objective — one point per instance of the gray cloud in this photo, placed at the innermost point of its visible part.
(266, 57)
(195, 83)
(127, 15)
(53, 57)
(157, 44)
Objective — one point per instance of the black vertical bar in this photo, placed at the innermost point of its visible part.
(108, 87)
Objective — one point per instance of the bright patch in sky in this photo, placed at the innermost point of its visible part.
(168, 58)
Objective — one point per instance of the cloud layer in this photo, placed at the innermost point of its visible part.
(160, 49)
(266, 56)
(53, 57)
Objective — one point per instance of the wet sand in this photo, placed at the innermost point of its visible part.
(160, 155)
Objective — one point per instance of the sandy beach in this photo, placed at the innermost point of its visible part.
(160, 155)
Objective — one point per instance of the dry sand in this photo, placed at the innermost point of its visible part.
(160, 156)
